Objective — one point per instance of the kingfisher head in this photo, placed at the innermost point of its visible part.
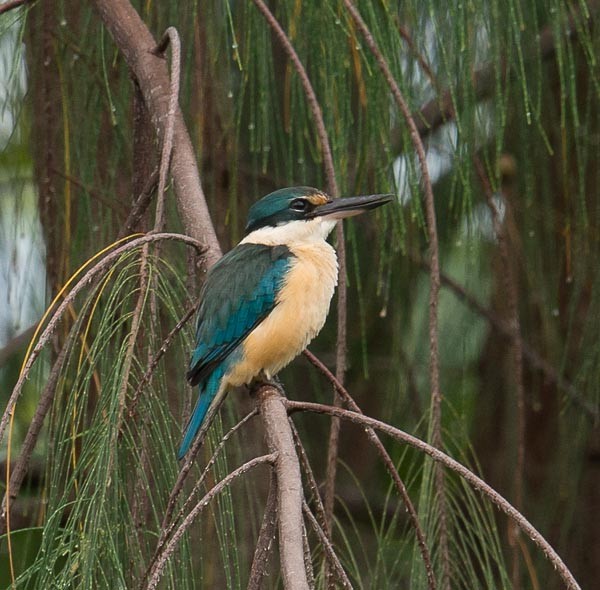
(302, 212)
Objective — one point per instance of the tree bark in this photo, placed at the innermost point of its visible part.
(289, 487)
(138, 47)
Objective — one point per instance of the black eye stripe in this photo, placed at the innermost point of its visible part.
(299, 205)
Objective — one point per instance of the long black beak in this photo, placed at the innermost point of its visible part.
(349, 206)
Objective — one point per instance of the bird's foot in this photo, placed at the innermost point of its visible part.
(262, 380)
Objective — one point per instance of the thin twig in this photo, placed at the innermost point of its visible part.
(139, 207)
(327, 546)
(389, 464)
(132, 336)
(310, 476)
(441, 457)
(311, 97)
(169, 523)
(332, 189)
(137, 44)
(104, 264)
(308, 566)
(159, 566)
(171, 37)
(434, 370)
(266, 538)
(158, 355)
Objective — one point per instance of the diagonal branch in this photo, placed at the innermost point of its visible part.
(11, 5)
(389, 464)
(327, 547)
(441, 457)
(170, 547)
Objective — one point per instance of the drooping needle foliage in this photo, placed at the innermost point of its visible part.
(505, 96)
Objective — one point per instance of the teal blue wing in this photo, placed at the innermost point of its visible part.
(239, 292)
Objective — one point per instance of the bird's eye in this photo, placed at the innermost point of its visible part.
(299, 205)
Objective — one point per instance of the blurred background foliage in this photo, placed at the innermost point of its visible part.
(512, 85)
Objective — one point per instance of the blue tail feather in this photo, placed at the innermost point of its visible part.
(204, 406)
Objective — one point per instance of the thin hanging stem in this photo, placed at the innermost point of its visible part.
(171, 37)
(159, 566)
(332, 557)
(332, 189)
(434, 371)
(101, 266)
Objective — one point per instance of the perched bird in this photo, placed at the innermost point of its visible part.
(267, 298)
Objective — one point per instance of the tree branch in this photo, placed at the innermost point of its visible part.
(441, 457)
(389, 464)
(90, 274)
(332, 189)
(217, 489)
(11, 5)
(289, 486)
(434, 274)
(138, 47)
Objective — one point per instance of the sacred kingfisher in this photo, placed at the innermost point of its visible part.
(266, 299)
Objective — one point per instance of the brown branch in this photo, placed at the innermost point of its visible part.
(327, 547)
(11, 5)
(158, 355)
(332, 189)
(311, 97)
(138, 46)
(159, 566)
(389, 464)
(289, 486)
(430, 214)
(171, 37)
(104, 264)
(310, 476)
(308, 567)
(168, 523)
(139, 207)
(441, 457)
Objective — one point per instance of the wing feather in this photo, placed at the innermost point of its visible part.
(239, 292)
